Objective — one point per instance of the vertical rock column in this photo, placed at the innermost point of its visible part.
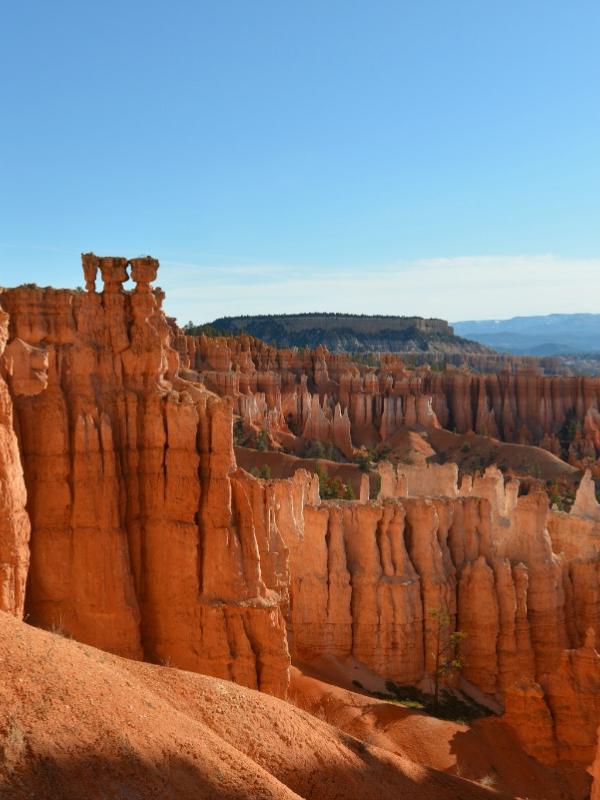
(14, 520)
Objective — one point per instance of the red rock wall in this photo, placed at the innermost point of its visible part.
(323, 395)
(14, 521)
(365, 579)
(145, 541)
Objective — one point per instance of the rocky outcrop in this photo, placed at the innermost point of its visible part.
(556, 719)
(149, 542)
(595, 773)
(145, 541)
(24, 368)
(520, 583)
(379, 573)
(309, 394)
(586, 503)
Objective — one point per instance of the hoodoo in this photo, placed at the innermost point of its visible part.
(127, 525)
(144, 540)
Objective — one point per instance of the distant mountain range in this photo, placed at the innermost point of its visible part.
(554, 334)
(353, 333)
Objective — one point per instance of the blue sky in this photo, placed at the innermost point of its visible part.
(435, 158)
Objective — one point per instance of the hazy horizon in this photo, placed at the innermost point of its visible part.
(457, 290)
(427, 159)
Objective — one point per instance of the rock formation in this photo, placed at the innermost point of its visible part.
(317, 394)
(586, 503)
(149, 542)
(145, 541)
(378, 572)
(25, 368)
(595, 773)
(352, 332)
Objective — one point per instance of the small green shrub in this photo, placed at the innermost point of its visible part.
(253, 440)
(380, 453)
(561, 497)
(263, 472)
(261, 441)
(333, 488)
(349, 492)
(207, 329)
(362, 459)
(448, 705)
(325, 450)
(568, 431)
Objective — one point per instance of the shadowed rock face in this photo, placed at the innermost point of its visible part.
(147, 541)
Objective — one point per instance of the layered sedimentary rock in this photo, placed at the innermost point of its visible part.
(309, 394)
(491, 362)
(14, 521)
(145, 541)
(157, 450)
(25, 369)
(595, 773)
(556, 719)
(369, 580)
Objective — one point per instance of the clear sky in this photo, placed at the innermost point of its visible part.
(434, 158)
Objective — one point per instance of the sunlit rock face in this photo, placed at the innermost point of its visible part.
(315, 394)
(25, 369)
(145, 541)
(126, 523)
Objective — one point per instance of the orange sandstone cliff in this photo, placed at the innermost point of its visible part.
(14, 521)
(327, 396)
(125, 512)
(143, 540)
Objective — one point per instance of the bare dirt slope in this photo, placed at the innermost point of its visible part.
(78, 723)
(284, 465)
(473, 452)
(485, 751)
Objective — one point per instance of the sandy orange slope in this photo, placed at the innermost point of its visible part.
(78, 723)
(486, 751)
